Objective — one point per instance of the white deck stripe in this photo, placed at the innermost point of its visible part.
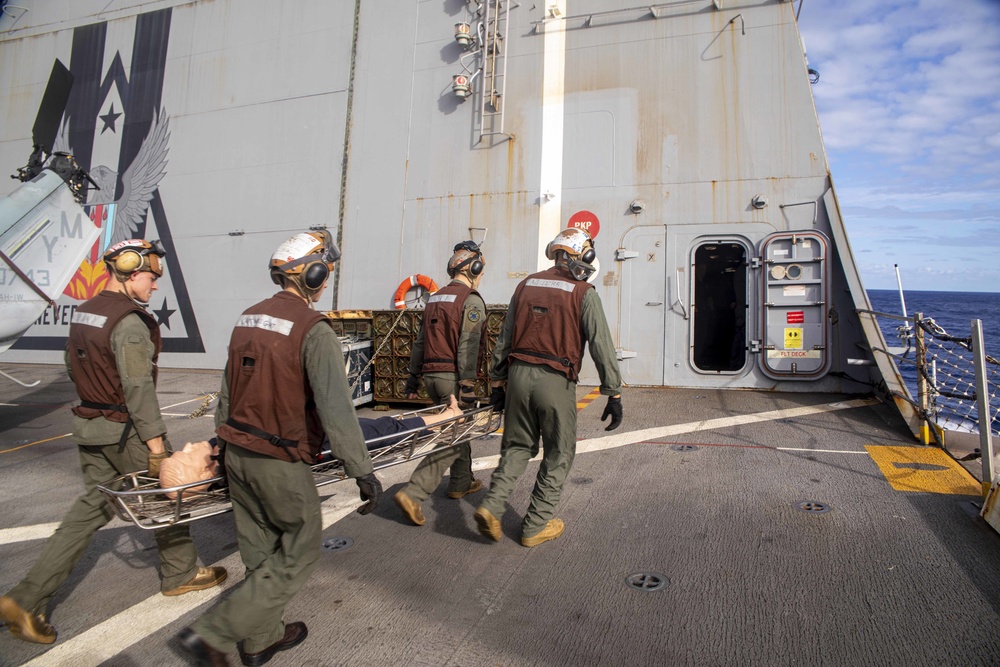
(633, 437)
(40, 531)
(821, 451)
(107, 639)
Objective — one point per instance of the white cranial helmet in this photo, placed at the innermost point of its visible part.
(579, 247)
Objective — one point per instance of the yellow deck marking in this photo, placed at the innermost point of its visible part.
(923, 469)
(36, 442)
(588, 399)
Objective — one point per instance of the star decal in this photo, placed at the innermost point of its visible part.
(109, 119)
(163, 315)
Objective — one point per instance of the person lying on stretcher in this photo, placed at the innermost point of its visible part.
(202, 460)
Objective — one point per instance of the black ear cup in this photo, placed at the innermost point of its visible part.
(315, 274)
(588, 256)
(475, 265)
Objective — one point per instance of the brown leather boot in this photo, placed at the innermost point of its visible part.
(203, 654)
(295, 634)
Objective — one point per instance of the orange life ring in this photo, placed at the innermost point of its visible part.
(416, 279)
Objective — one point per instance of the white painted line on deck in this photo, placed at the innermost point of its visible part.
(821, 451)
(633, 437)
(40, 531)
(191, 400)
(109, 638)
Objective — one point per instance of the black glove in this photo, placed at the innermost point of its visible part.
(412, 384)
(371, 490)
(614, 410)
(467, 396)
(498, 399)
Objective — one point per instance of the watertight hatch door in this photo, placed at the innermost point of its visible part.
(795, 301)
(643, 298)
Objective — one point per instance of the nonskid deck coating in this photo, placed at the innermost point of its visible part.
(886, 577)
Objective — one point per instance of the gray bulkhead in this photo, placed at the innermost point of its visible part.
(671, 128)
(686, 129)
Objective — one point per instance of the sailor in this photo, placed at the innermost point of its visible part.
(446, 354)
(283, 389)
(538, 353)
(111, 357)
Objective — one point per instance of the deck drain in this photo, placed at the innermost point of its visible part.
(337, 544)
(683, 448)
(647, 581)
(812, 507)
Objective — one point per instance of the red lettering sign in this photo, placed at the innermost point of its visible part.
(586, 221)
(796, 317)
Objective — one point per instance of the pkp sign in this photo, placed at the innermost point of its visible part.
(586, 221)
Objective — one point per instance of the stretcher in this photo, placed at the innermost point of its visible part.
(139, 499)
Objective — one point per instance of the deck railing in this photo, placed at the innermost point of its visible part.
(957, 383)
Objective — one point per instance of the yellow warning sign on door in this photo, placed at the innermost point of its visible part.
(793, 338)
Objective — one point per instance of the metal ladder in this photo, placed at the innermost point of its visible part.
(492, 30)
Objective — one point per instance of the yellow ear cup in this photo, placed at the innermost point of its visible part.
(128, 261)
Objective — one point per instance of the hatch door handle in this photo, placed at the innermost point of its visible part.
(680, 293)
(622, 353)
(654, 303)
(621, 254)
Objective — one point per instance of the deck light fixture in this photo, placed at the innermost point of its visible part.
(463, 35)
(460, 86)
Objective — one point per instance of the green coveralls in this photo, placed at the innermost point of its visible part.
(541, 403)
(441, 385)
(277, 510)
(102, 460)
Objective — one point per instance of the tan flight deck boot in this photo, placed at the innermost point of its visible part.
(25, 625)
(410, 509)
(475, 486)
(489, 525)
(553, 529)
(206, 577)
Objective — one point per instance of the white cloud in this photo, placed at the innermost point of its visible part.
(909, 103)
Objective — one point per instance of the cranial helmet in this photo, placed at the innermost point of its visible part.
(579, 249)
(306, 258)
(467, 254)
(133, 256)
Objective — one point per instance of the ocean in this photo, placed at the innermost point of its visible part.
(951, 310)
(954, 312)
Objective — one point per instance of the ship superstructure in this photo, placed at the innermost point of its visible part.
(682, 135)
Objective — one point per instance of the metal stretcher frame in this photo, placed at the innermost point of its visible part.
(139, 499)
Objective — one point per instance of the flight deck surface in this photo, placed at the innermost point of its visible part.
(715, 527)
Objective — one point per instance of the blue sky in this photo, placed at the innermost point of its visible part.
(909, 105)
